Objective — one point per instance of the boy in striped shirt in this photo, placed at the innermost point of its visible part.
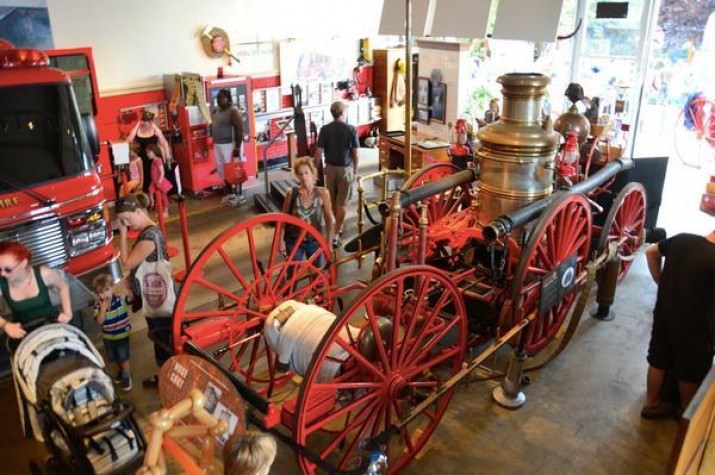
(112, 313)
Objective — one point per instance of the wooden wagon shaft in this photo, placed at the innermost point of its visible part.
(478, 360)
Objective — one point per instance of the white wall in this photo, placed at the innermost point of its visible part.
(135, 42)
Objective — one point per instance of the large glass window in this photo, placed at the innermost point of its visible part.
(680, 66)
(609, 61)
(492, 58)
(77, 65)
(40, 136)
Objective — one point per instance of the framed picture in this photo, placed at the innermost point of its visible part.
(439, 102)
(424, 92)
(422, 115)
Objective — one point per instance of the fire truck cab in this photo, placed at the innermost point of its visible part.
(52, 197)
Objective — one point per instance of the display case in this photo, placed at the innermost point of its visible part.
(192, 100)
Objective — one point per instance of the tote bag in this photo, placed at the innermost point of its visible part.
(157, 285)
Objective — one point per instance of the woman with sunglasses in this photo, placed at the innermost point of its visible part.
(25, 289)
(144, 134)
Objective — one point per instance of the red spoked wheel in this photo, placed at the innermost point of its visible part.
(624, 223)
(438, 208)
(380, 384)
(238, 279)
(560, 241)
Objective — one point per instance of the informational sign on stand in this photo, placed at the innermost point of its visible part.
(557, 283)
(182, 373)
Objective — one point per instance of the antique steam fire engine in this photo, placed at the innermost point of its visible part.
(467, 262)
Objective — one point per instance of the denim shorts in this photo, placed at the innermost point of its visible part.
(117, 350)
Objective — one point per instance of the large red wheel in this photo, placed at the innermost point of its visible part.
(624, 223)
(422, 347)
(438, 208)
(559, 241)
(237, 280)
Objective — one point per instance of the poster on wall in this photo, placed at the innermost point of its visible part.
(256, 56)
(326, 62)
(26, 24)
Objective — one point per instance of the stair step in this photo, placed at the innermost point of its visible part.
(264, 203)
(279, 189)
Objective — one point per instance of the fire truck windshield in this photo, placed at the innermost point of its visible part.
(41, 137)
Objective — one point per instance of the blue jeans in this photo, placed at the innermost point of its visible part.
(307, 248)
(117, 350)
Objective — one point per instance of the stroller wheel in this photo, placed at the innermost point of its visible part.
(35, 468)
(52, 466)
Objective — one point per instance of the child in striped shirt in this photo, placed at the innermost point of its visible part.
(112, 313)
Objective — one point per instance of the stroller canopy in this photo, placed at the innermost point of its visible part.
(44, 343)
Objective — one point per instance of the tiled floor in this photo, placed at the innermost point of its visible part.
(581, 416)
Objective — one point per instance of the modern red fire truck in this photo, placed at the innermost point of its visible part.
(52, 197)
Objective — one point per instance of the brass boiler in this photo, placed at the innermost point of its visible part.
(517, 152)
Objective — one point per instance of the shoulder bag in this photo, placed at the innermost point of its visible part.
(156, 285)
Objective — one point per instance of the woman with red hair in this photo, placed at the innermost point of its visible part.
(25, 289)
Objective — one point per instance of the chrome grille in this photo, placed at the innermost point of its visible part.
(44, 237)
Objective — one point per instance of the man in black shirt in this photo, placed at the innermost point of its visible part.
(683, 319)
(338, 141)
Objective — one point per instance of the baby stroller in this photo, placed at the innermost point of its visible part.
(68, 401)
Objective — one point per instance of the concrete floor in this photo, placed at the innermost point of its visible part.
(582, 413)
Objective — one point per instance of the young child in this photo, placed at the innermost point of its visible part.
(158, 180)
(112, 313)
(249, 453)
(136, 171)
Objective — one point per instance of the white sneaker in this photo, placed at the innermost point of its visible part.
(234, 201)
(227, 198)
(241, 199)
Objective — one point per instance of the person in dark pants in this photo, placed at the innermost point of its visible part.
(682, 336)
(338, 141)
(132, 213)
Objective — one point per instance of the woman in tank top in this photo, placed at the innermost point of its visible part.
(146, 133)
(311, 204)
(25, 290)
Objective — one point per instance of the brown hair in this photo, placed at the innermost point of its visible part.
(134, 149)
(147, 116)
(101, 281)
(337, 108)
(307, 162)
(248, 453)
(155, 149)
(130, 203)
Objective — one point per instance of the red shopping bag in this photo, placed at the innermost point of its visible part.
(235, 173)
